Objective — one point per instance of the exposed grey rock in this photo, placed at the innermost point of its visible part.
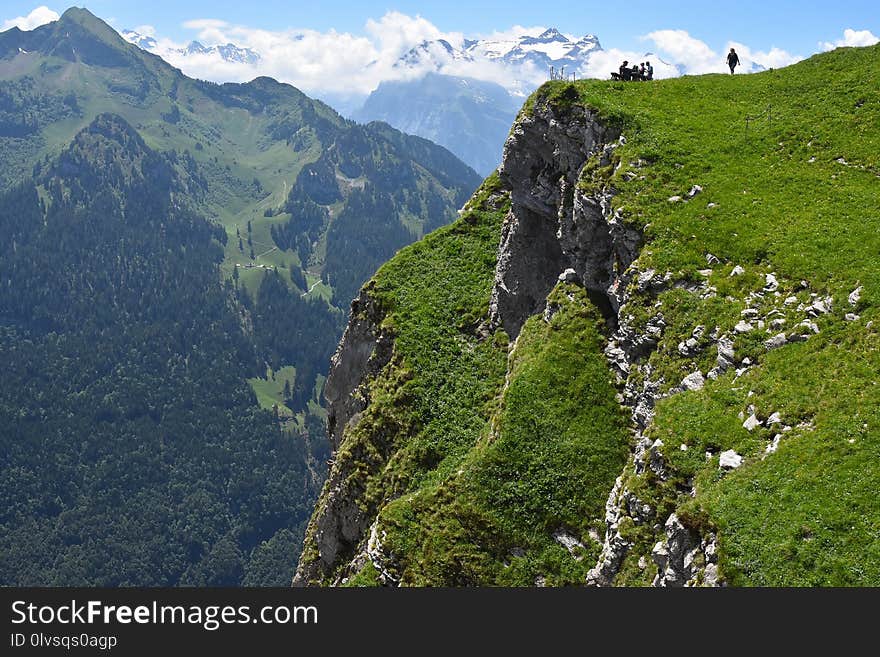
(820, 307)
(737, 271)
(729, 460)
(339, 523)
(669, 555)
(615, 547)
(851, 317)
(774, 444)
(790, 301)
(855, 296)
(674, 199)
(777, 324)
(809, 325)
(771, 284)
(693, 382)
(712, 260)
(743, 327)
(775, 418)
(750, 313)
(573, 545)
(725, 351)
(656, 462)
(776, 341)
(381, 561)
(553, 225)
(363, 352)
(696, 189)
(569, 276)
(751, 423)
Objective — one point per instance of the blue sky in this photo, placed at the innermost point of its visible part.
(341, 51)
(794, 26)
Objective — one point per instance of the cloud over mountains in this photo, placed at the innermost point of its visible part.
(398, 46)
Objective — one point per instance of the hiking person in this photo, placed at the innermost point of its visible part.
(624, 70)
(642, 73)
(635, 72)
(649, 71)
(732, 60)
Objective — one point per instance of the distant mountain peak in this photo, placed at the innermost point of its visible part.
(78, 35)
(228, 52)
(523, 55)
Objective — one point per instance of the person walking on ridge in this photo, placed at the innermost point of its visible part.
(732, 60)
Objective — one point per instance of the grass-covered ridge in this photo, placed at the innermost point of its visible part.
(538, 476)
(796, 196)
(479, 478)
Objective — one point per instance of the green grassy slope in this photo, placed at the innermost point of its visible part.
(484, 483)
(796, 195)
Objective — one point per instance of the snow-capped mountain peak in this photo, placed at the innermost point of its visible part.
(550, 48)
(228, 52)
(140, 40)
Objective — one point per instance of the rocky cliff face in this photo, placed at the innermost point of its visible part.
(362, 353)
(564, 226)
(669, 359)
(561, 227)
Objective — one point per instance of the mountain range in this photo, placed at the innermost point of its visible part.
(180, 262)
(228, 52)
(468, 116)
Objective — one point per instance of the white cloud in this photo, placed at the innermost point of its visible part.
(692, 56)
(774, 58)
(602, 63)
(851, 38)
(145, 30)
(341, 65)
(337, 63)
(39, 16)
(689, 54)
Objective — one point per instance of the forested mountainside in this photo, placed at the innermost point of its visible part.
(166, 243)
(645, 354)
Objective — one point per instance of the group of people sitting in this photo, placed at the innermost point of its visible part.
(643, 71)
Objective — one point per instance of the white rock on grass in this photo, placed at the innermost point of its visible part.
(743, 327)
(771, 284)
(693, 382)
(775, 418)
(775, 342)
(774, 445)
(696, 189)
(729, 460)
(851, 317)
(751, 423)
(820, 307)
(737, 271)
(674, 199)
(855, 296)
